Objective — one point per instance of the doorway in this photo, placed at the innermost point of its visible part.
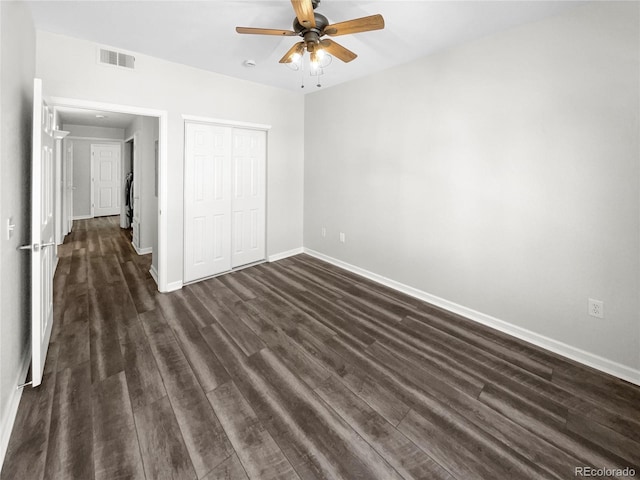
(158, 207)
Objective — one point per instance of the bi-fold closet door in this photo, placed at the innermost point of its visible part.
(224, 195)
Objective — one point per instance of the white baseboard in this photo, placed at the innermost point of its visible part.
(154, 273)
(82, 217)
(142, 251)
(592, 360)
(173, 286)
(9, 417)
(282, 255)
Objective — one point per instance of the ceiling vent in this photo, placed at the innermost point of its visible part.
(117, 59)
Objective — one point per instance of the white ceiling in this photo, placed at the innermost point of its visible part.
(202, 33)
(90, 118)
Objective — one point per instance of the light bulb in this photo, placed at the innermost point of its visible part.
(295, 57)
(314, 60)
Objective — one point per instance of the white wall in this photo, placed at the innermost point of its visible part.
(87, 131)
(81, 138)
(147, 130)
(17, 68)
(502, 176)
(179, 89)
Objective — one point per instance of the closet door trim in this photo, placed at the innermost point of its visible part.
(225, 123)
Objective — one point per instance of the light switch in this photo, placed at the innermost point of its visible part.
(10, 228)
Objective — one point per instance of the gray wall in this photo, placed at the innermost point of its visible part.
(502, 175)
(82, 161)
(182, 90)
(17, 69)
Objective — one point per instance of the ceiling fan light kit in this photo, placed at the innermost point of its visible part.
(312, 26)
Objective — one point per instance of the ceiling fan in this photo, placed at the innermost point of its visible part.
(312, 26)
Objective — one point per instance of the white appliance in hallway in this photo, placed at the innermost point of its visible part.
(106, 179)
(224, 195)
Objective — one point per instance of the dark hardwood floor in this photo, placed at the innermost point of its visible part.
(297, 369)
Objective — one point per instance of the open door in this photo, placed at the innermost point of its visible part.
(42, 233)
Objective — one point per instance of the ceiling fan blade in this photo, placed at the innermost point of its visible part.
(337, 50)
(297, 48)
(304, 13)
(266, 31)
(364, 24)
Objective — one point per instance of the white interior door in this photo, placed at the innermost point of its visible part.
(106, 179)
(207, 226)
(42, 237)
(248, 197)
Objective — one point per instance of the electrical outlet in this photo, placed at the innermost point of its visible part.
(343, 238)
(323, 231)
(596, 308)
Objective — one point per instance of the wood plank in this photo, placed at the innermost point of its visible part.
(454, 447)
(203, 435)
(277, 310)
(246, 339)
(115, 442)
(263, 328)
(257, 451)
(299, 361)
(230, 469)
(76, 343)
(143, 378)
(281, 314)
(221, 293)
(605, 438)
(203, 362)
(106, 357)
(27, 449)
(299, 450)
(97, 273)
(194, 303)
(330, 435)
(572, 450)
(78, 268)
(70, 448)
(470, 336)
(164, 453)
(523, 438)
(402, 454)
(319, 309)
(438, 364)
(371, 391)
(231, 282)
(143, 299)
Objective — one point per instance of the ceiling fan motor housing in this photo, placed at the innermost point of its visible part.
(321, 23)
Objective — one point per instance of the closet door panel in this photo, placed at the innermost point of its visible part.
(207, 193)
(248, 196)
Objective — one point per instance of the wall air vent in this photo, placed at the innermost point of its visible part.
(117, 59)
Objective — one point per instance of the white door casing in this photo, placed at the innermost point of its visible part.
(207, 192)
(105, 177)
(70, 187)
(42, 232)
(248, 196)
(137, 190)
